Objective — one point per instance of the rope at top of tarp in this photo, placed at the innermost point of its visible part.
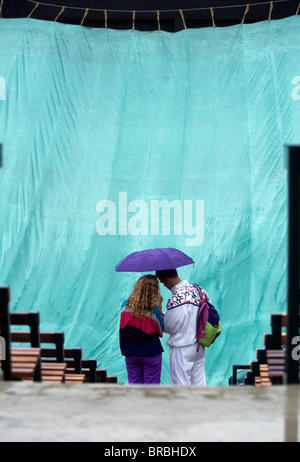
(155, 11)
(134, 13)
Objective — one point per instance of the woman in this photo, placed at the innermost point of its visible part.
(141, 327)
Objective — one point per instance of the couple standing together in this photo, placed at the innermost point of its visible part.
(143, 323)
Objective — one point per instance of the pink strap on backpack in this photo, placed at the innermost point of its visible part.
(203, 313)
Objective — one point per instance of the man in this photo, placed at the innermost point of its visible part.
(187, 357)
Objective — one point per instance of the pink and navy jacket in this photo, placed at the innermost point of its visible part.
(141, 336)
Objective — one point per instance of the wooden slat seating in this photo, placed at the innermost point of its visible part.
(234, 379)
(275, 343)
(102, 377)
(30, 319)
(26, 364)
(73, 359)
(33, 337)
(276, 339)
(89, 367)
(71, 368)
(252, 369)
(254, 376)
(22, 355)
(54, 372)
(53, 363)
(263, 379)
(92, 374)
(275, 367)
(74, 372)
(22, 363)
(37, 362)
(78, 370)
(111, 379)
(269, 367)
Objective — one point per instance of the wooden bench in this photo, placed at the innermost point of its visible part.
(49, 372)
(35, 338)
(20, 363)
(275, 343)
(234, 378)
(73, 359)
(272, 344)
(53, 360)
(78, 369)
(276, 339)
(54, 365)
(253, 369)
(269, 366)
(25, 364)
(276, 365)
(101, 375)
(30, 319)
(75, 378)
(89, 367)
(111, 379)
(37, 361)
(53, 372)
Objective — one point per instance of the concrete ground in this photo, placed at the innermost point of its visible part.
(33, 412)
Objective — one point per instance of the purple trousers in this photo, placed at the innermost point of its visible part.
(144, 369)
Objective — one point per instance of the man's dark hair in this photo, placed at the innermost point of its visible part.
(164, 274)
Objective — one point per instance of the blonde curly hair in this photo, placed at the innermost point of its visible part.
(144, 297)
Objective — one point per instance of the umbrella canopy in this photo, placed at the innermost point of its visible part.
(154, 260)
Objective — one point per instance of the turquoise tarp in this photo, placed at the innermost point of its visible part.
(100, 126)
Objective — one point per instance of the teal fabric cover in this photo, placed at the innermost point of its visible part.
(98, 126)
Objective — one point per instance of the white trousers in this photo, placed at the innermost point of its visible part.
(187, 365)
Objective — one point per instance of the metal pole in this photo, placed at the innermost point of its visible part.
(293, 299)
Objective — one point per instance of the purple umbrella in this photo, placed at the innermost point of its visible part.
(154, 260)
